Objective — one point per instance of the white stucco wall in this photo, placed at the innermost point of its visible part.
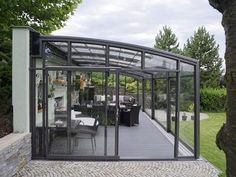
(20, 78)
(20, 83)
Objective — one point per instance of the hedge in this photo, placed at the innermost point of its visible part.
(212, 99)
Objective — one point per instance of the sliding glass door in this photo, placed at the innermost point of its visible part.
(81, 113)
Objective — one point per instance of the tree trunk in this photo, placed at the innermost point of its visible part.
(226, 137)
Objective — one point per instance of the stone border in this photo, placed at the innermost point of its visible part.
(15, 153)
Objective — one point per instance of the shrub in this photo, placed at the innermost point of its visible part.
(5, 127)
(212, 99)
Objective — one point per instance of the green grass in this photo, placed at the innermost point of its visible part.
(209, 150)
(208, 130)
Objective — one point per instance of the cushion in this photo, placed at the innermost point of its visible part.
(126, 98)
(97, 98)
(102, 98)
(121, 98)
(88, 121)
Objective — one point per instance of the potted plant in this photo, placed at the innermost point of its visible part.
(192, 117)
(184, 117)
(51, 92)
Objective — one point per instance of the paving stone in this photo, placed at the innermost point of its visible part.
(199, 168)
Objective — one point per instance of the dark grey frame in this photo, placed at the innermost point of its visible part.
(42, 39)
(87, 69)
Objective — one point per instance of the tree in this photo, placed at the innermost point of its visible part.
(44, 16)
(167, 40)
(226, 138)
(203, 47)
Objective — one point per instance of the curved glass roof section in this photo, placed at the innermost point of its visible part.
(87, 52)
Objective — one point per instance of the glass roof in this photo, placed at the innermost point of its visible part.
(94, 53)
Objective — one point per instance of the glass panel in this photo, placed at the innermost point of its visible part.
(140, 95)
(88, 107)
(58, 130)
(111, 114)
(155, 61)
(128, 87)
(186, 129)
(124, 57)
(161, 101)
(56, 53)
(173, 101)
(39, 113)
(39, 62)
(148, 98)
(88, 54)
(89, 131)
(139, 136)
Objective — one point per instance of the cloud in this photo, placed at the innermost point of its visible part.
(138, 22)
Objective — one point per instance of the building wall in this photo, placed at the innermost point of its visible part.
(20, 79)
(15, 152)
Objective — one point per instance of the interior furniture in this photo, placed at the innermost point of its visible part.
(85, 129)
(98, 111)
(130, 116)
(111, 115)
(81, 108)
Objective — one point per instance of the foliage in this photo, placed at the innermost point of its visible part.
(98, 79)
(186, 92)
(44, 16)
(167, 40)
(160, 93)
(213, 99)
(5, 89)
(203, 47)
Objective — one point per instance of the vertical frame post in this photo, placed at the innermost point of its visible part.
(143, 94)
(168, 97)
(143, 81)
(153, 96)
(125, 86)
(45, 110)
(44, 129)
(32, 105)
(106, 85)
(177, 109)
(137, 91)
(117, 114)
(69, 61)
(196, 112)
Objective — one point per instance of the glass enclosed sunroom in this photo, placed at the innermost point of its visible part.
(92, 99)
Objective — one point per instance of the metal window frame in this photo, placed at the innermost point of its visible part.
(62, 156)
(70, 67)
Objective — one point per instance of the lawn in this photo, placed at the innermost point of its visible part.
(209, 150)
(208, 130)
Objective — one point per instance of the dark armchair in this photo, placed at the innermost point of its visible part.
(82, 108)
(130, 117)
(111, 115)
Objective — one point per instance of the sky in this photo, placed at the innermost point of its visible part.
(138, 22)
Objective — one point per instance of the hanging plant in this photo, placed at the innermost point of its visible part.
(51, 91)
